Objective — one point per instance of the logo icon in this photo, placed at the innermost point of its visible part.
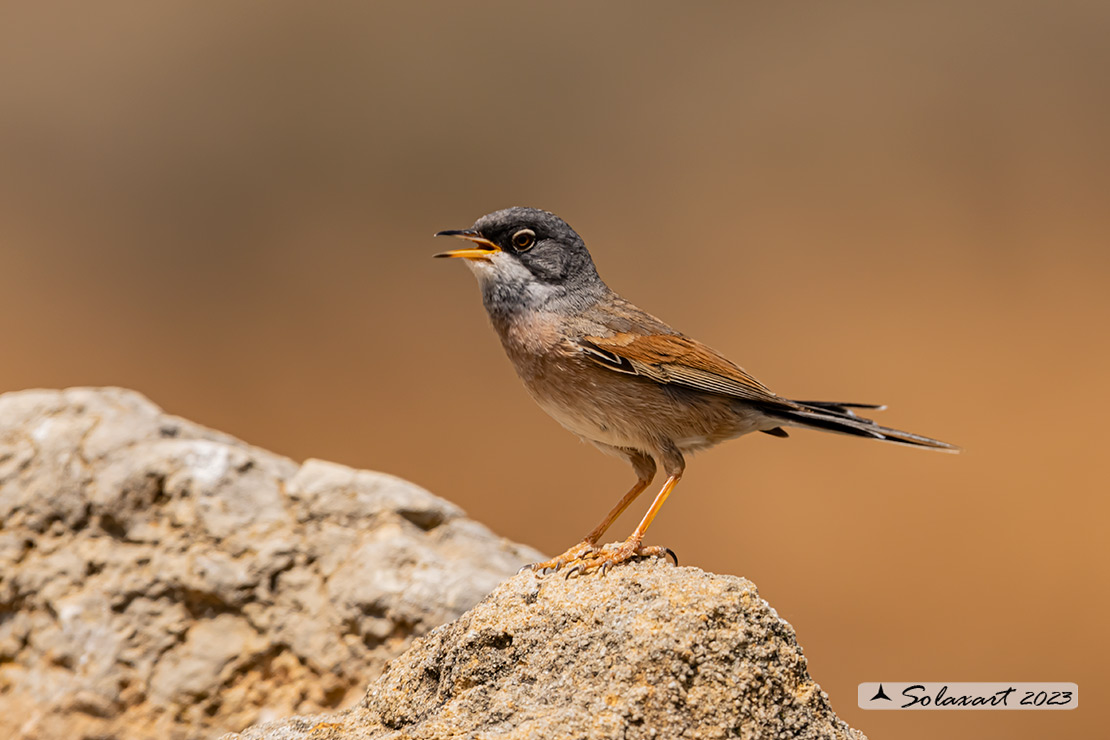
(880, 694)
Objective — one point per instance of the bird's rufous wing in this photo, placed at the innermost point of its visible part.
(678, 360)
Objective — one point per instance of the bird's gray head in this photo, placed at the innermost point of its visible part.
(525, 257)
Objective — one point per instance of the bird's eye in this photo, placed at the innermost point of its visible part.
(523, 240)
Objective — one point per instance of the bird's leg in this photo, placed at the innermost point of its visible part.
(605, 558)
(645, 472)
(588, 546)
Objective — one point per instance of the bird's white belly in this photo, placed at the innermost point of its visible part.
(591, 424)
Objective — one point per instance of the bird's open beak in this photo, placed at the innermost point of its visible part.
(483, 251)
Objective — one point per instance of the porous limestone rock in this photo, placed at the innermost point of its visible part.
(163, 580)
(646, 651)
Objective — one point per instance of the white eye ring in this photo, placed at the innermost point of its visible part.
(523, 240)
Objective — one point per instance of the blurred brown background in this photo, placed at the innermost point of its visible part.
(231, 211)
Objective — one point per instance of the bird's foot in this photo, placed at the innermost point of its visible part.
(617, 553)
(583, 550)
(584, 559)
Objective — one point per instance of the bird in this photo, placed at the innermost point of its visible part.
(620, 378)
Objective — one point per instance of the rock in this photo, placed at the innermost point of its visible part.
(163, 580)
(647, 651)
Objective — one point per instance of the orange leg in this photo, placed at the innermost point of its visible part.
(656, 505)
(588, 545)
(607, 557)
(611, 517)
(644, 466)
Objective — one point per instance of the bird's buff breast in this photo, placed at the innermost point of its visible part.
(612, 408)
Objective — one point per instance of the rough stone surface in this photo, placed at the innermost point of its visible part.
(647, 651)
(162, 580)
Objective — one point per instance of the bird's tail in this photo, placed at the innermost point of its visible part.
(841, 418)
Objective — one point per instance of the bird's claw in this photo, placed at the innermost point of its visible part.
(582, 551)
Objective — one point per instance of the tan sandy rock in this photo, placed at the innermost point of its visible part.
(647, 651)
